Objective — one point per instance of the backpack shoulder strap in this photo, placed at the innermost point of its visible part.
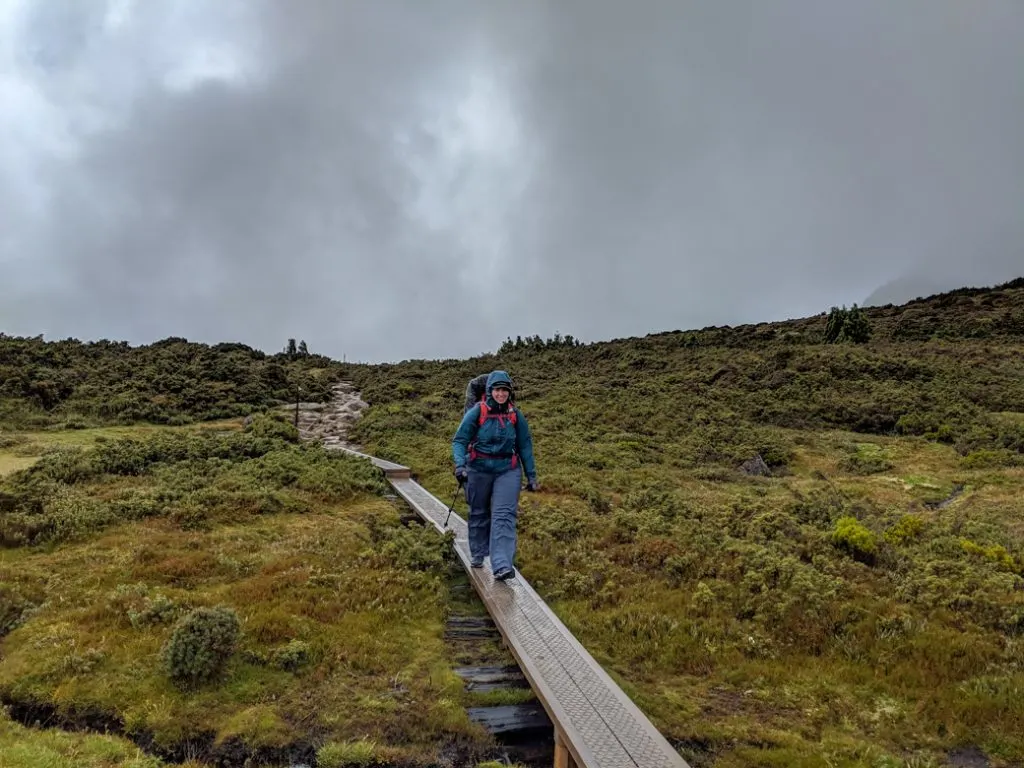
(486, 414)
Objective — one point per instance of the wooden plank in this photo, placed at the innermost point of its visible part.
(512, 719)
(489, 674)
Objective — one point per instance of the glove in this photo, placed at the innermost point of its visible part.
(532, 484)
(461, 474)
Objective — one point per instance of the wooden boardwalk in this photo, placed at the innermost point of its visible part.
(596, 724)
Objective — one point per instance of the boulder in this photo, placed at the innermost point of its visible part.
(755, 466)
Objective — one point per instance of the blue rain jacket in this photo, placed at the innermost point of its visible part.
(497, 437)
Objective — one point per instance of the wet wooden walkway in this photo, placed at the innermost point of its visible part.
(596, 724)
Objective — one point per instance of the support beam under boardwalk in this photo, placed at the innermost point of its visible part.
(563, 758)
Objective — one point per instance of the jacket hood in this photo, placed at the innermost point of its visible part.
(498, 377)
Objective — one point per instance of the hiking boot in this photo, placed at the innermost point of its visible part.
(504, 574)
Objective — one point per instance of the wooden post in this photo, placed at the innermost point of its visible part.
(563, 758)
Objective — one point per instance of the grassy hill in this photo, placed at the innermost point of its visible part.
(861, 605)
(73, 384)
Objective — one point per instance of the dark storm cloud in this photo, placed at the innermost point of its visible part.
(394, 179)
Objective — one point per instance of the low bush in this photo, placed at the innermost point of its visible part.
(853, 537)
(201, 644)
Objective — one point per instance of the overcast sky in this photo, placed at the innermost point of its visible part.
(422, 179)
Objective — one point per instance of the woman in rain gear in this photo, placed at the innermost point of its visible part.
(492, 450)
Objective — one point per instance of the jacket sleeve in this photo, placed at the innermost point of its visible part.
(524, 445)
(464, 436)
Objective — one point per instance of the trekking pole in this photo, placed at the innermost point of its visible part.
(454, 499)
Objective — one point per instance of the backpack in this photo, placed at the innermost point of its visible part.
(476, 391)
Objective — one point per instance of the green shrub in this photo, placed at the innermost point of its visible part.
(201, 644)
(865, 459)
(851, 535)
(668, 505)
(818, 508)
(292, 656)
(348, 755)
(597, 502)
(311, 468)
(64, 465)
(157, 610)
(776, 452)
(54, 515)
(992, 459)
(272, 426)
(414, 549)
(11, 440)
(995, 553)
(860, 464)
(17, 603)
(907, 529)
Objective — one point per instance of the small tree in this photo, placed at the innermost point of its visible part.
(857, 328)
(847, 325)
(834, 325)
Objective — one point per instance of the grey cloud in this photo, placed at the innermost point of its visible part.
(769, 157)
(640, 168)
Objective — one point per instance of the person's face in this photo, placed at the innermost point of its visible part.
(500, 395)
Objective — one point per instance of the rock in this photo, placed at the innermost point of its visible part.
(968, 757)
(756, 467)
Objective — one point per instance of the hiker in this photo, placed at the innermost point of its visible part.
(492, 449)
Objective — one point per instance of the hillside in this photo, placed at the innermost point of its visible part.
(74, 384)
(930, 279)
(861, 604)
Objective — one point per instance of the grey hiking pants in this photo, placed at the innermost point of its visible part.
(493, 509)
